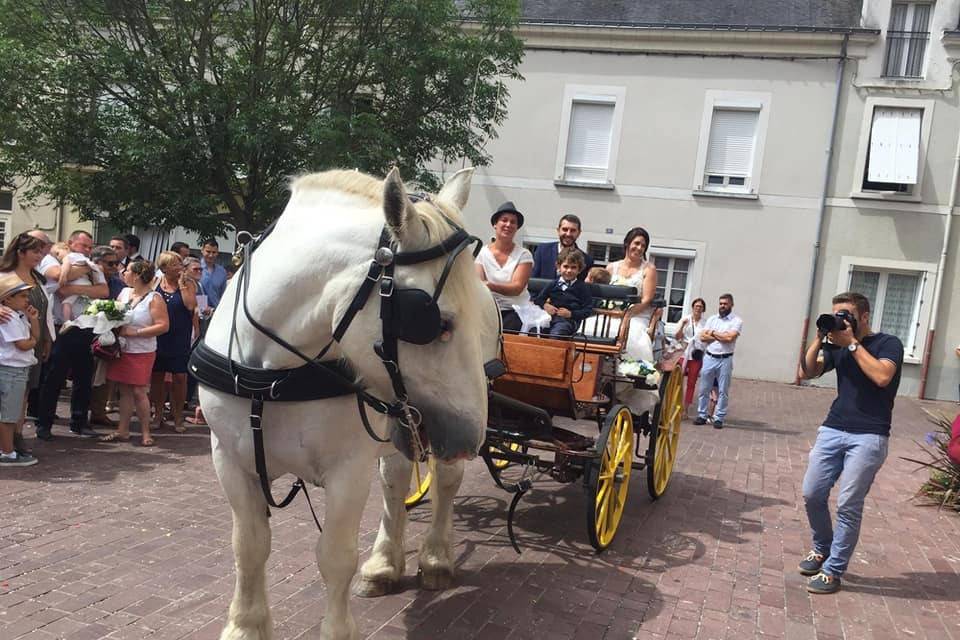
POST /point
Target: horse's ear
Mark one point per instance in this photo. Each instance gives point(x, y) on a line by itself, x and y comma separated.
point(457, 189)
point(395, 201)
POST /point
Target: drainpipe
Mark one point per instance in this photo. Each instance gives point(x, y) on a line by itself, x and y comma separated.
point(841, 67)
point(941, 267)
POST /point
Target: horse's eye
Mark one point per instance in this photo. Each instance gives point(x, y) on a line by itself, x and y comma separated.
point(446, 327)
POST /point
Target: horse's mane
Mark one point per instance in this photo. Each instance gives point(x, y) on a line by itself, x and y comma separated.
point(435, 217)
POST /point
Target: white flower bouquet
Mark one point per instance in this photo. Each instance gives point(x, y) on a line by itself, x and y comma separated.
point(640, 370)
point(103, 316)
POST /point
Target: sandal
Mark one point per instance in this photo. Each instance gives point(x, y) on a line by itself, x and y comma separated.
point(180, 429)
point(115, 436)
point(148, 442)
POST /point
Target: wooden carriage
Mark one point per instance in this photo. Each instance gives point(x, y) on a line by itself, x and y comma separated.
point(578, 378)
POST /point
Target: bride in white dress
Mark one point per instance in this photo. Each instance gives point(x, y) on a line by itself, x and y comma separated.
point(636, 271)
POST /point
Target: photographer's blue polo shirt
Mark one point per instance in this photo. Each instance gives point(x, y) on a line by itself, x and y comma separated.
point(861, 406)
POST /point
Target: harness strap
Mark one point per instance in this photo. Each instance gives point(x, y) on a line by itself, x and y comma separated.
point(362, 408)
point(256, 418)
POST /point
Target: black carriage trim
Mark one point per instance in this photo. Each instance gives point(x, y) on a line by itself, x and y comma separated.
point(320, 379)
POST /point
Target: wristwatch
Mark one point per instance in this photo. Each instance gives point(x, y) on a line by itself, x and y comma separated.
point(853, 346)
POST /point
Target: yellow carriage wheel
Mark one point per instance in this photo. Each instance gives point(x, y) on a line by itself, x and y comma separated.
point(510, 446)
point(665, 440)
point(609, 477)
point(420, 479)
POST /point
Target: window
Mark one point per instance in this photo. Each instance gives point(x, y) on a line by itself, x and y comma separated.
point(893, 155)
point(604, 253)
point(732, 133)
point(6, 207)
point(672, 285)
point(589, 135)
point(894, 301)
point(730, 150)
point(896, 290)
point(907, 38)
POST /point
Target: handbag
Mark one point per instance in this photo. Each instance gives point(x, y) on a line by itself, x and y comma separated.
point(105, 351)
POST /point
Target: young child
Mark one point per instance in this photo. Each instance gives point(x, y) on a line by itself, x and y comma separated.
point(72, 260)
point(567, 300)
point(18, 336)
point(598, 275)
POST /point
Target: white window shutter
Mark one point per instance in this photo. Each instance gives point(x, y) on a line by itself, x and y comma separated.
point(588, 142)
point(732, 137)
point(895, 145)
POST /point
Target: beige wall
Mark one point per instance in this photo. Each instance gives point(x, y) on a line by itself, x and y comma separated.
point(760, 249)
point(45, 216)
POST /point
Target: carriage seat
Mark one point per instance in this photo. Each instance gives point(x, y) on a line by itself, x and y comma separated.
point(599, 292)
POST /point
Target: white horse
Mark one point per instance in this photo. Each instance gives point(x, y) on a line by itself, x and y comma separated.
point(302, 279)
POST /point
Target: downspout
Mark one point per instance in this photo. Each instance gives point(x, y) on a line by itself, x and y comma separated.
point(941, 267)
point(841, 68)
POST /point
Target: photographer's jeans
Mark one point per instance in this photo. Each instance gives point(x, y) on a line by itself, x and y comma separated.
point(854, 458)
point(720, 369)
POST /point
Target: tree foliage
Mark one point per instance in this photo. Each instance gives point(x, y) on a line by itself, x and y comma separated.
point(196, 112)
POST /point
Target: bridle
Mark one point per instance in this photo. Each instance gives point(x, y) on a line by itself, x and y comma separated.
point(407, 314)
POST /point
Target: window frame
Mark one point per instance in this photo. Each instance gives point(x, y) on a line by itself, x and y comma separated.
point(926, 106)
point(908, 36)
point(596, 94)
point(6, 219)
point(733, 100)
point(913, 352)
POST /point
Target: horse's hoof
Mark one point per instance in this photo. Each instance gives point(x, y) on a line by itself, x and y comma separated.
point(373, 587)
point(435, 579)
point(234, 632)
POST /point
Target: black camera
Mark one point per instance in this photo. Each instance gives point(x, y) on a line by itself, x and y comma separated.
point(838, 321)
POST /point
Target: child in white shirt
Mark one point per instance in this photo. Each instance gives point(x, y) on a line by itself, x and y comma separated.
point(18, 337)
point(72, 260)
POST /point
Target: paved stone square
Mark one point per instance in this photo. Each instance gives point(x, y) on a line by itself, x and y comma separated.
point(118, 541)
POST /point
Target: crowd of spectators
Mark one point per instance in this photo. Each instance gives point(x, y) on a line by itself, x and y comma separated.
point(45, 286)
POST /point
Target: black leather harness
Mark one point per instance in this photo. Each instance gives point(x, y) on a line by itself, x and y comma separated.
point(320, 379)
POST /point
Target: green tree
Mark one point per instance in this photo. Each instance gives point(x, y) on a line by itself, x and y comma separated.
point(196, 112)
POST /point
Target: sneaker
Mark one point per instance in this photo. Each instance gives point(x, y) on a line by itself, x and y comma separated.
point(810, 566)
point(700, 420)
point(822, 583)
point(17, 460)
point(718, 424)
point(20, 445)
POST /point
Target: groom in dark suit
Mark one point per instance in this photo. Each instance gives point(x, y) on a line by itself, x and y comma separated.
point(545, 258)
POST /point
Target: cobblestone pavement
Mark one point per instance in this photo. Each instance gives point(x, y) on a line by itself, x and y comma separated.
point(118, 541)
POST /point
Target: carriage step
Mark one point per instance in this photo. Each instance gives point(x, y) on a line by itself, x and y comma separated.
point(638, 466)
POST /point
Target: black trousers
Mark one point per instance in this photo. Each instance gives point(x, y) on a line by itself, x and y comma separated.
point(71, 353)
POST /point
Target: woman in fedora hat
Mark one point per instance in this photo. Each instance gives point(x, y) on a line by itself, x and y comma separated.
point(505, 266)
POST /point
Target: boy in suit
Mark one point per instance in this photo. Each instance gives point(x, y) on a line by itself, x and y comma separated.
point(568, 299)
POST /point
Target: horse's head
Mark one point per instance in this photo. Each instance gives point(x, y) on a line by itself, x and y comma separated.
point(441, 356)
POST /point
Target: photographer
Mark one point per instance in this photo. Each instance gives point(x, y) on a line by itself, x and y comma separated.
point(852, 443)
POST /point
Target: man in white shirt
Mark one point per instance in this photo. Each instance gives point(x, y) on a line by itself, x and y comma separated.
point(71, 353)
point(720, 337)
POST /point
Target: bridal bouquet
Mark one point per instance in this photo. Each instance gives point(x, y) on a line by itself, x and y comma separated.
point(103, 316)
point(639, 369)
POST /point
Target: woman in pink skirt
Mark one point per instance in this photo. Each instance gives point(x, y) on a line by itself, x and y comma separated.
point(132, 370)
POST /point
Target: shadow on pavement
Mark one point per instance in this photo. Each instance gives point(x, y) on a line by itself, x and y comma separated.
point(929, 585)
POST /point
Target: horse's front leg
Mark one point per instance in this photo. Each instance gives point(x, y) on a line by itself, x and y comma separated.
point(436, 553)
point(346, 491)
point(249, 617)
point(382, 571)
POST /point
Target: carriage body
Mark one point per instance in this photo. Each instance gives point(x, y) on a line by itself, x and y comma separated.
point(578, 378)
